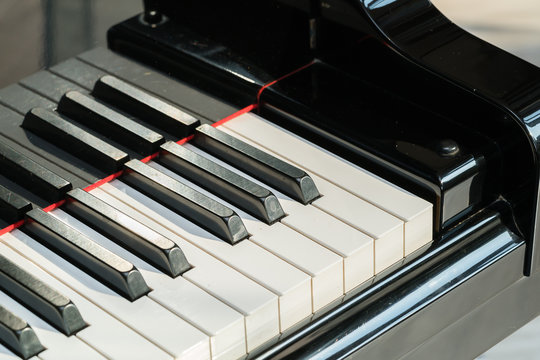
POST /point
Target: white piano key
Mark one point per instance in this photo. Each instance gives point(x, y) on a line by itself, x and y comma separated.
point(262, 319)
point(58, 346)
point(414, 211)
point(324, 266)
point(150, 319)
point(356, 248)
point(260, 308)
point(104, 333)
point(6, 354)
point(386, 229)
point(223, 325)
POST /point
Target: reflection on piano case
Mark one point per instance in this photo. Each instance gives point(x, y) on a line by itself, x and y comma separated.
point(267, 180)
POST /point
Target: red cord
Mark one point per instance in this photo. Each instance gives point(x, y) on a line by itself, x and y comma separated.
point(11, 227)
point(281, 78)
point(235, 115)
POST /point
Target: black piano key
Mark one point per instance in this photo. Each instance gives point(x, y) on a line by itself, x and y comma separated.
point(145, 106)
point(40, 298)
point(110, 123)
point(198, 103)
point(74, 140)
point(76, 171)
point(244, 193)
point(32, 175)
point(119, 274)
point(284, 177)
point(12, 205)
point(159, 251)
point(17, 335)
point(200, 209)
point(23, 192)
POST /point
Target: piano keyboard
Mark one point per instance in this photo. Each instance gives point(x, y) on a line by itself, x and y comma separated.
point(211, 248)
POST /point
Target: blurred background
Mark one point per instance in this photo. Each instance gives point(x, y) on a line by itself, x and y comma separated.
point(511, 25)
point(40, 33)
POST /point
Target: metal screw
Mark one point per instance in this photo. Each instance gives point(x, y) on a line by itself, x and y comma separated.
point(448, 148)
point(152, 17)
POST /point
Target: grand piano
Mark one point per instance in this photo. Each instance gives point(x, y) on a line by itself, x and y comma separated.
point(267, 180)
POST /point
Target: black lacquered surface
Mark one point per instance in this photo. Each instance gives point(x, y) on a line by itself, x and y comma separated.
point(17, 335)
point(492, 75)
point(117, 273)
point(40, 298)
point(247, 195)
point(202, 210)
point(280, 43)
point(283, 176)
point(350, 116)
point(134, 236)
